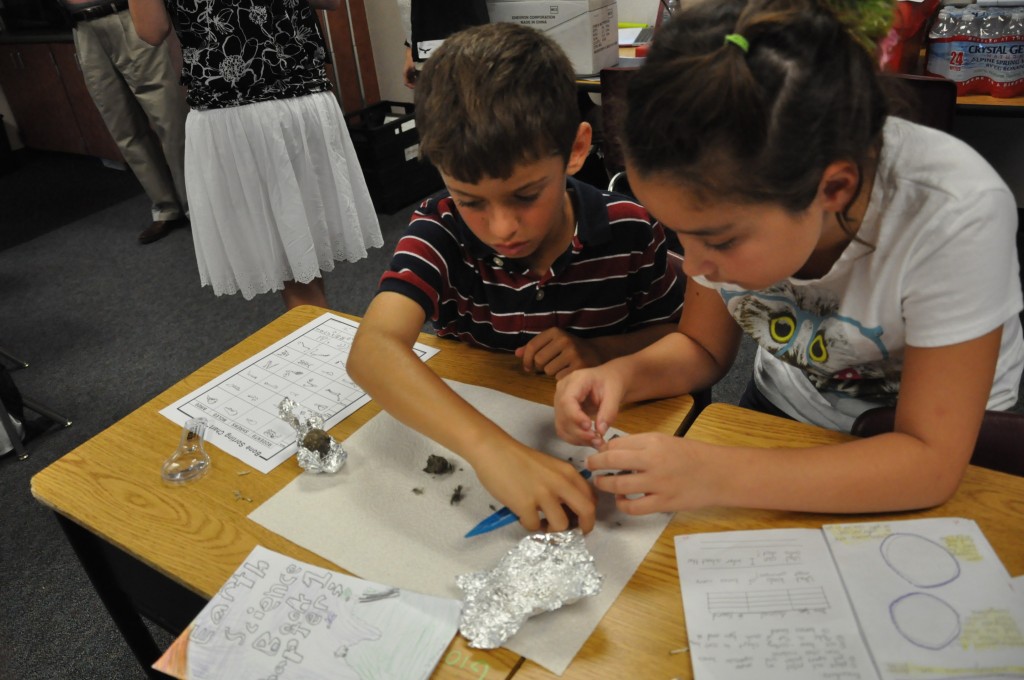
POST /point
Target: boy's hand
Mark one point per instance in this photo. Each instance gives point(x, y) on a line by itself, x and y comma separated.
point(530, 482)
point(586, 404)
point(557, 353)
point(667, 473)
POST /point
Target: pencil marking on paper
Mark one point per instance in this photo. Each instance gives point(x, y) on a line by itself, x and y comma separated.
point(767, 601)
point(292, 619)
point(925, 620)
point(921, 562)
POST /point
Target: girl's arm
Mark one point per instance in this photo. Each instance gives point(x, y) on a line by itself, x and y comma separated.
point(942, 399)
point(151, 20)
point(697, 356)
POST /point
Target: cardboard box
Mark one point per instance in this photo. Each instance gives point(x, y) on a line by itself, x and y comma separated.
point(588, 30)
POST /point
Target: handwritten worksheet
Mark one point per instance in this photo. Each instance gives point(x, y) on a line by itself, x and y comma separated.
point(308, 365)
point(913, 599)
point(282, 618)
point(768, 604)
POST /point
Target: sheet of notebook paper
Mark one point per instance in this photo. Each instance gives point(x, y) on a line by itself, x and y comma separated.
point(767, 605)
point(898, 600)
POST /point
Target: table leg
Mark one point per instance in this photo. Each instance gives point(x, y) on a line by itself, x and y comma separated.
point(89, 550)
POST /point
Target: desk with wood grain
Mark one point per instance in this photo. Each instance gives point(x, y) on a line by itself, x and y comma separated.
point(637, 636)
point(163, 550)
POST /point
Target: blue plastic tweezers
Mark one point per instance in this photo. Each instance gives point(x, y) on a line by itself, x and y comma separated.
point(503, 517)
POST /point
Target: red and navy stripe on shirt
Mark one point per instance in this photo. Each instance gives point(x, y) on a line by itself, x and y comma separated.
point(613, 278)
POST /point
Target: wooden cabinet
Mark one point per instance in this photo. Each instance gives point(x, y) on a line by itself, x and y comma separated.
point(35, 92)
point(53, 109)
point(51, 105)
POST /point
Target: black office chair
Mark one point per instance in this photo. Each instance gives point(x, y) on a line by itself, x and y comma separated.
point(20, 404)
point(927, 100)
point(999, 446)
point(614, 86)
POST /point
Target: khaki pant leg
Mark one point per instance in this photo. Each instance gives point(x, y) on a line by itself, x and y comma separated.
point(96, 46)
point(153, 80)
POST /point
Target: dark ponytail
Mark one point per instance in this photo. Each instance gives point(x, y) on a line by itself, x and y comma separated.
point(756, 125)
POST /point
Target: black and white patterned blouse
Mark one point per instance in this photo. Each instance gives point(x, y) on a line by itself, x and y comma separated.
point(244, 51)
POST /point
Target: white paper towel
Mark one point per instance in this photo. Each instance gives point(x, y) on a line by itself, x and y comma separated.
point(368, 519)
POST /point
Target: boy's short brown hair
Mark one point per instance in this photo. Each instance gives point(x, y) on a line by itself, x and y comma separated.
point(492, 97)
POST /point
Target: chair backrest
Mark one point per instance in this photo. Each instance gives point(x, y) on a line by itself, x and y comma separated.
point(1000, 444)
point(930, 100)
point(614, 85)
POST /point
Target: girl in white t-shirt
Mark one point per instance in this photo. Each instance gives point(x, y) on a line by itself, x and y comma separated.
point(872, 259)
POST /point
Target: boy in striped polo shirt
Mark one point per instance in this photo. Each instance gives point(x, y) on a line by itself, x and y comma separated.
point(516, 256)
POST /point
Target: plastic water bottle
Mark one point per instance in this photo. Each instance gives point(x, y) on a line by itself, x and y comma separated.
point(969, 25)
point(670, 8)
point(1015, 25)
point(944, 25)
point(993, 23)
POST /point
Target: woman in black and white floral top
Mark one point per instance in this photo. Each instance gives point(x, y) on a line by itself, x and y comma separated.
point(276, 191)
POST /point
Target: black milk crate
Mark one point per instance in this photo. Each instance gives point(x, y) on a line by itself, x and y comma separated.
point(387, 144)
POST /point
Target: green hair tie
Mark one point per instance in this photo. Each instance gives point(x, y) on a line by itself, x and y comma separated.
point(737, 40)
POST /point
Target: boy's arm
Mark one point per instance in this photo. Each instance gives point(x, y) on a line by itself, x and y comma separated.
point(529, 482)
point(151, 20)
point(942, 399)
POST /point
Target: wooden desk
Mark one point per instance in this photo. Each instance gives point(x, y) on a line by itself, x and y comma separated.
point(646, 623)
point(178, 545)
point(987, 105)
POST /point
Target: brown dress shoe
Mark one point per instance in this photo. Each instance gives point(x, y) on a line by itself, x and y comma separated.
point(159, 229)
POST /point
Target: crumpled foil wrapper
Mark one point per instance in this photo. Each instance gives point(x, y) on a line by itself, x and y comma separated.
point(318, 451)
point(544, 572)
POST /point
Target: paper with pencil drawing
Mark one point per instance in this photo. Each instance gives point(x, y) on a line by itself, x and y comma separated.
point(279, 617)
point(307, 365)
point(893, 600)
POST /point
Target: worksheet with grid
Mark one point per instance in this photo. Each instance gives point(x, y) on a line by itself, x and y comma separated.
point(308, 366)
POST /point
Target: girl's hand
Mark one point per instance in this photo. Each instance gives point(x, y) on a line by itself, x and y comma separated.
point(530, 483)
point(668, 471)
point(586, 404)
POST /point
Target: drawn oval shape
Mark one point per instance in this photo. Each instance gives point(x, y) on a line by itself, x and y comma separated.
point(920, 561)
point(925, 620)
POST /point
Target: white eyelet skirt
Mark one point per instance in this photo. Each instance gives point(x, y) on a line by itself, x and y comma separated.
point(275, 194)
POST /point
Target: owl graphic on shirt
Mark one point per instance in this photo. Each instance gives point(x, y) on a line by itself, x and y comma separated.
point(801, 326)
